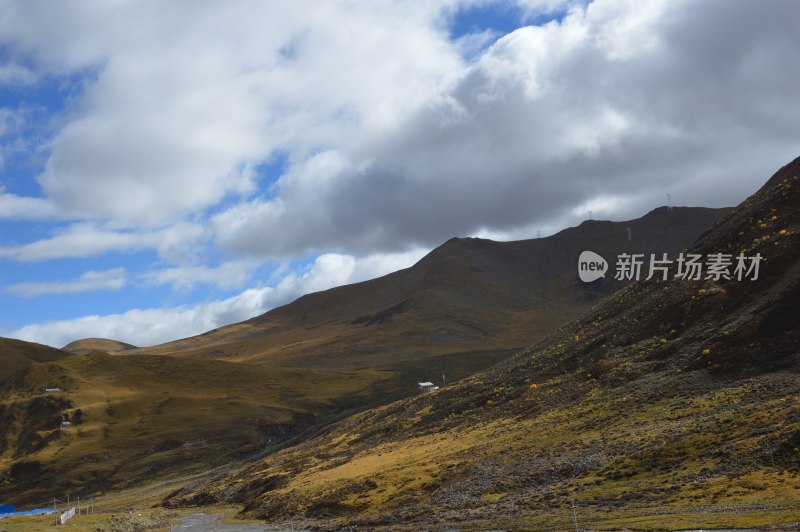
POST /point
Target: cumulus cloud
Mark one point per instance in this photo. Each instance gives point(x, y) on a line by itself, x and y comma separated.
point(619, 99)
point(91, 281)
point(158, 325)
point(187, 100)
point(393, 139)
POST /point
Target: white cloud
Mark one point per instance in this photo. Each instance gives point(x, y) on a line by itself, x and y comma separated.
point(147, 326)
point(176, 242)
point(12, 122)
point(392, 139)
point(538, 7)
point(335, 269)
point(610, 102)
point(14, 74)
point(91, 281)
point(228, 275)
point(158, 325)
point(187, 99)
point(13, 207)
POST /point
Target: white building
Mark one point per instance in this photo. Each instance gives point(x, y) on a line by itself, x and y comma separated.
point(426, 386)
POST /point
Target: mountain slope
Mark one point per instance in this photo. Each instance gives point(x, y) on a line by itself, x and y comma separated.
point(135, 417)
point(671, 405)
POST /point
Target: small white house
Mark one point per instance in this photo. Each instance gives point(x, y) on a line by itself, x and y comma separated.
point(426, 386)
point(48, 391)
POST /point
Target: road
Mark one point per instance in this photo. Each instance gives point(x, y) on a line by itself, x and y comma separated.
point(200, 522)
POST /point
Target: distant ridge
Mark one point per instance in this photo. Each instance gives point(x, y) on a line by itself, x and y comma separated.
point(87, 345)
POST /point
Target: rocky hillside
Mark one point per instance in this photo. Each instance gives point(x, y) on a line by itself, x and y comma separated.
point(673, 404)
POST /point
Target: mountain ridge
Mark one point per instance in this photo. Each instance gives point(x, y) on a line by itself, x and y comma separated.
point(670, 405)
point(455, 275)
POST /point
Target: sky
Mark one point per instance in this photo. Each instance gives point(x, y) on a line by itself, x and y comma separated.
point(171, 166)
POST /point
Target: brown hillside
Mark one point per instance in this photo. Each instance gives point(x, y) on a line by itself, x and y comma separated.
point(671, 405)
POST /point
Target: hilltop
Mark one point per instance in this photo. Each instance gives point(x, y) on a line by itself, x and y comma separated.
point(87, 345)
point(251, 388)
point(670, 405)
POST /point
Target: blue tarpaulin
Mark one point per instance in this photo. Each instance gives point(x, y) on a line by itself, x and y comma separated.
point(36, 511)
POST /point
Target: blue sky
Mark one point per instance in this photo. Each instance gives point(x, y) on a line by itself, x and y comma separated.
point(167, 168)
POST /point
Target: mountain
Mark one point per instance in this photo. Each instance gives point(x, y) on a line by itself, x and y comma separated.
point(87, 345)
point(466, 305)
point(671, 405)
point(254, 387)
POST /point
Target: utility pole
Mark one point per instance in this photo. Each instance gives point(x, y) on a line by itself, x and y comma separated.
point(574, 515)
point(55, 510)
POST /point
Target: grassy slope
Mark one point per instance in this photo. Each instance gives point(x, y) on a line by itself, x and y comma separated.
point(701, 429)
point(150, 415)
